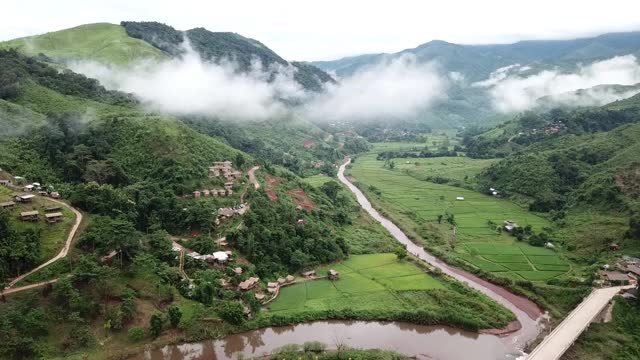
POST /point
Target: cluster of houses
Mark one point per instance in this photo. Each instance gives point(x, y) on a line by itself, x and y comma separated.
point(229, 212)
point(218, 257)
point(52, 214)
point(626, 271)
point(37, 187)
point(227, 191)
point(225, 169)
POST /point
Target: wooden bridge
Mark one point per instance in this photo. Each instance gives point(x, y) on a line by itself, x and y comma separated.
point(563, 336)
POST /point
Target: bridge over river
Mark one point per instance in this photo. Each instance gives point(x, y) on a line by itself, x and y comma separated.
point(561, 338)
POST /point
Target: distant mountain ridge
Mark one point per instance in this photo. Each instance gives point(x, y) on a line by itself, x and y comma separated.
point(476, 62)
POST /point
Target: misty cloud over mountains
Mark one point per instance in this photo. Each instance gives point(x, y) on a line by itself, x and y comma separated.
point(511, 91)
point(391, 89)
point(394, 88)
point(190, 86)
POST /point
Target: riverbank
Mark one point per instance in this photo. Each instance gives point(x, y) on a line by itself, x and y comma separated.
point(523, 308)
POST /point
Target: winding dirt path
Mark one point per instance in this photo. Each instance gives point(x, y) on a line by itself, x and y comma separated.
point(252, 177)
point(62, 254)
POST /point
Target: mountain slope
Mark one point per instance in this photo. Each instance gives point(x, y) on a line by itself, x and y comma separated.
point(580, 166)
point(106, 43)
point(53, 116)
point(217, 46)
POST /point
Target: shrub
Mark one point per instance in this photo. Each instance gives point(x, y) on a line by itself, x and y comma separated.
point(314, 346)
point(136, 334)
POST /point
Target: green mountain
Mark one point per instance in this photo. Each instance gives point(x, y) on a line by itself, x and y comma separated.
point(217, 46)
point(151, 41)
point(467, 105)
point(476, 62)
point(106, 43)
point(580, 166)
point(50, 117)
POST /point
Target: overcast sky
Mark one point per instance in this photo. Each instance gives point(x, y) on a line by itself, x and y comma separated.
point(329, 29)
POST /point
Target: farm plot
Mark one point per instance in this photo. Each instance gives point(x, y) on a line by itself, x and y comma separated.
point(381, 287)
point(544, 264)
point(363, 279)
point(428, 200)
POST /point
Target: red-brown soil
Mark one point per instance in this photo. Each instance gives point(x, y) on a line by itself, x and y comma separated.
point(301, 200)
point(272, 182)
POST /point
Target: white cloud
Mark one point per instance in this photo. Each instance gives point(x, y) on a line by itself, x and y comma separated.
point(338, 27)
point(191, 86)
point(388, 90)
point(511, 92)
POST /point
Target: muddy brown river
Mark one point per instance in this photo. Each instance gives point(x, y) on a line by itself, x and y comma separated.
point(423, 342)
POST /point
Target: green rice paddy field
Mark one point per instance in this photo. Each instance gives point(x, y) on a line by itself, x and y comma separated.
point(379, 287)
point(455, 168)
point(476, 242)
point(366, 281)
point(318, 180)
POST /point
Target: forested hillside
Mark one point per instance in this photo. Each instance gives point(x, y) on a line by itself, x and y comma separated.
point(573, 165)
point(218, 46)
point(133, 173)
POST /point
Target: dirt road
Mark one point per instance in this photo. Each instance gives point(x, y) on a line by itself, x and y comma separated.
point(63, 252)
point(252, 177)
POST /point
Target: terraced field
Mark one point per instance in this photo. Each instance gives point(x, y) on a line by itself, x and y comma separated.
point(413, 203)
point(527, 262)
point(461, 168)
point(428, 200)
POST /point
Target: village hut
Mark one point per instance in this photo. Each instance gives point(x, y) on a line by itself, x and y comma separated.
point(308, 274)
point(25, 198)
point(290, 278)
point(333, 275)
point(53, 218)
point(260, 297)
point(248, 284)
point(282, 281)
point(633, 270)
point(616, 278)
point(510, 225)
point(614, 247)
point(220, 256)
point(29, 215)
point(237, 271)
point(7, 205)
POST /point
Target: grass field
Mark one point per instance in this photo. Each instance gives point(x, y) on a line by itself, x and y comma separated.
point(378, 286)
point(318, 180)
point(413, 203)
point(107, 43)
point(52, 236)
point(462, 169)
